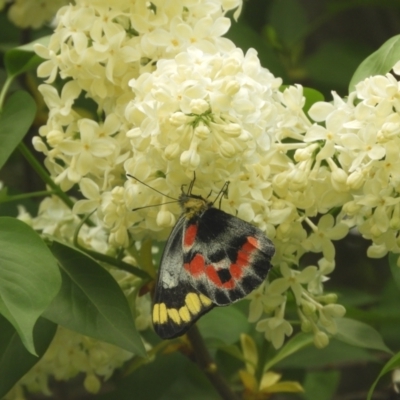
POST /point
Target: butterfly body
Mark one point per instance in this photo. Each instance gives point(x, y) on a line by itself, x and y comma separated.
point(211, 258)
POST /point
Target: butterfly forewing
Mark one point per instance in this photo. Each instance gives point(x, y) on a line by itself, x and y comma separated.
point(177, 305)
point(229, 257)
point(210, 259)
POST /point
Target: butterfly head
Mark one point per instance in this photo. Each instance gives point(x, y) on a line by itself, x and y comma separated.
point(193, 205)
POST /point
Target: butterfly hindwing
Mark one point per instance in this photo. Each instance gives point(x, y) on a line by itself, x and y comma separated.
point(225, 258)
point(211, 258)
point(177, 305)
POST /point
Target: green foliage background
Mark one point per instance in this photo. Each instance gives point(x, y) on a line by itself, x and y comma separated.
point(318, 44)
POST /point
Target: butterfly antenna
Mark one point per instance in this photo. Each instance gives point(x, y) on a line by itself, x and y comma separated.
point(222, 192)
point(145, 184)
point(153, 205)
point(192, 183)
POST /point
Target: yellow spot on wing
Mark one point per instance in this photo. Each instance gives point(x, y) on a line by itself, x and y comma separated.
point(163, 316)
point(174, 315)
point(156, 314)
point(193, 303)
point(205, 300)
point(184, 314)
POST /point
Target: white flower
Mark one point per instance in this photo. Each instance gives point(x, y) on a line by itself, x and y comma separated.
point(323, 234)
point(88, 152)
point(293, 280)
point(275, 328)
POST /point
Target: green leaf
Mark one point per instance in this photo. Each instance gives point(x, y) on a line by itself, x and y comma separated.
point(223, 323)
point(15, 120)
point(394, 268)
point(335, 353)
point(392, 364)
point(296, 343)
point(91, 302)
point(378, 63)
point(359, 334)
point(168, 377)
point(29, 277)
point(321, 385)
point(22, 59)
point(290, 26)
point(15, 360)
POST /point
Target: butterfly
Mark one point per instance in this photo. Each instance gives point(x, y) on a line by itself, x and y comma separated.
point(211, 258)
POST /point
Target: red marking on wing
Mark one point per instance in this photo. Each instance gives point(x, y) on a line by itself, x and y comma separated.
point(190, 236)
point(197, 266)
point(212, 274)
point(243, 258)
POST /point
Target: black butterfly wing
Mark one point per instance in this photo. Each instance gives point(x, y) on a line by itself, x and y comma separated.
point(177, 305)
point(225, 258)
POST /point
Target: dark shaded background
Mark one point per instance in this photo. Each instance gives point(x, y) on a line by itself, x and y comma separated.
point(319, 44)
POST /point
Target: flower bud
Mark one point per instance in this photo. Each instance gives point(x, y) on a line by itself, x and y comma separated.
point(199, 106)
point(233, 130)
point(321, 340)
point(92, 383)
point(308, 308)
point(54, 137)
point(171, 151)
point(232, 88)
point(178, 118)
point(134, 133)
point(39, 145)
point(306, 326)
point(227, 150)
point(355, 180)
point(190, 158)
point(165, 218)
point(202, 132)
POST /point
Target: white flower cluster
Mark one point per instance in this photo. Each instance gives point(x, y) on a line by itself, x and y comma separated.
point(175, 98)
point(347, 160)
point(32, 13)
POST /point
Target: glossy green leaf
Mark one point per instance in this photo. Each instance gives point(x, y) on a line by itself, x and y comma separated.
point(15, 360)
point(392, 364)
point(22, 59)
point(359, 334)
point(91, 302)
point(223, 323)
point(15, 120)
point(29, 277)
point(394, 268)
point(335, 353)
point(296, 343)
point(378, 63)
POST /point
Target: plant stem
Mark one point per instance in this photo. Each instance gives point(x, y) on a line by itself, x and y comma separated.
point(44, 175)
point(4, 90)
point(18, 197)
point(208, 365)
